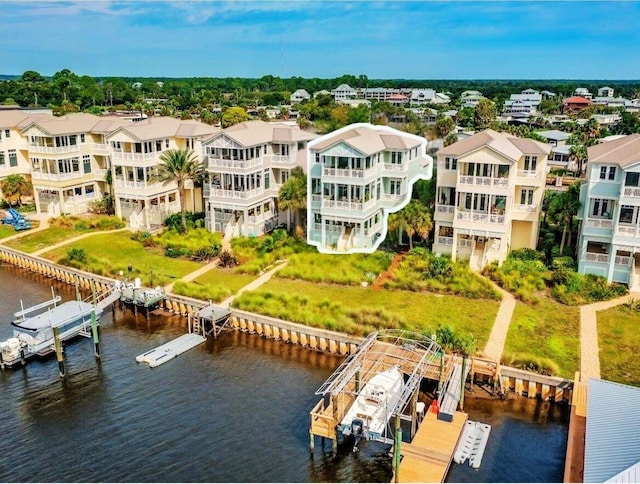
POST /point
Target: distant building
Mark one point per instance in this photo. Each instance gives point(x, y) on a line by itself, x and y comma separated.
point(343, 92)
point(605, 91)
point(299, 95)
point(575, 103)
point(583, 92)
point(357, 175)
point(470, 99)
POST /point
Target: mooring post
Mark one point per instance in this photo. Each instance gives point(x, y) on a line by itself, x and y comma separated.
point(441, 373)
point(76, 283)
point(94, 332)
point(23, 360)
point(59, 353)
point(396, 449)
point(414, 413)
point(358, 381)
point(1, 360)
point(472, 373)
point(461, 401)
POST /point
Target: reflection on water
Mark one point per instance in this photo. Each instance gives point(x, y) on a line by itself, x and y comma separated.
point(235, 409)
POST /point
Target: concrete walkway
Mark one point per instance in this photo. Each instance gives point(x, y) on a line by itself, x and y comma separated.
point(44, 224)
point(192, 275)
point(495, 344)
point(254, 284)
point(589, 349)
point(74, 239)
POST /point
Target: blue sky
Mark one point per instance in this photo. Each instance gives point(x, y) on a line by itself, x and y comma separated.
point(387, 39)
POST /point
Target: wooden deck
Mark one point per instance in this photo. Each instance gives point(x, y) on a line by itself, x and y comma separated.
point(428, 457)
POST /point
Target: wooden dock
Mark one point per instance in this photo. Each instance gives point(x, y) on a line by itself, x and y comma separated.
point(170, 350)
point(428, 457)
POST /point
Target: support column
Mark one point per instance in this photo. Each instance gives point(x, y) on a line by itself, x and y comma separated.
point(454, 246)
point(612, 262)
point(146, 214)
point(397, 441)
point(59, 353)
point(462, 381)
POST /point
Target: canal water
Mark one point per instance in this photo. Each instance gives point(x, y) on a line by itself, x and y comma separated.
point(233, 410)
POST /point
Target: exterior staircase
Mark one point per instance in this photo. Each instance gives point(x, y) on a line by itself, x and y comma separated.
point(345, 242)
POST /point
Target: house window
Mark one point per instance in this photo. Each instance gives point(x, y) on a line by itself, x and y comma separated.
point(166, 143)
point(317, 157)
point(607, 173)
point(284, 150)
point(81, 137)
point(526, 196)
point(600, 208)
point(267, 179)
point(284, 176)
point(86, 162)
point(632, 179)
point(7, 133)
point(1, 158)
point(396, 157)
point(13, 159)
point(395, 187)
point(530, 163)
point(627, 215)
point(612, 173)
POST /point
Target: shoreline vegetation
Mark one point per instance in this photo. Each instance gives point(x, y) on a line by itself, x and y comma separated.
point(357, 293)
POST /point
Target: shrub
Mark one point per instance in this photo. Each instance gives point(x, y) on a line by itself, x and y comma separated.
point(534, 364)
point(194, 220)
point(227, 259)
point(76, 254)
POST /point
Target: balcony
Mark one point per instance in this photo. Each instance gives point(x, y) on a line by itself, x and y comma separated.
point(101, 147)
point(38, 175)
point(54, 149)
point(632, 192)
point(599, 223)
point(123, 155)
point(213, 163)
point(521, 207)
point(484, 181)
point(347, 173)
point(530, 174)
point(395, 167)
point(441, 240)
point(347, 205)
point(235, 194)
point(142, 188)
point(255, 219)
point(387, 197)
point(597, 257)
point(480, 217)
point(622, 260)
point(628, 230)
point(445, 208)
point(278, 159)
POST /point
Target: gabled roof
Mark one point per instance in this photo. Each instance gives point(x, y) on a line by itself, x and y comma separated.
point(623, 152)
point(554, 134)
point(67, 124)
point(343, 87)
point(166, 127)
point(507, 145)
point(16, 118)
point(368, 140)
point(252, 133)
point(612, 437)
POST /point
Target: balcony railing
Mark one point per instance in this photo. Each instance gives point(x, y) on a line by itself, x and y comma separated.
point(395, 167)
point(123, 155)
point(235, 194)
point(445, 208)
point(387, 197)
point(621, 260)
point(464, 243)
point(53, 149)
point(520, 207)
point(316, 198)
point(600, 223)
point(597, 257)
point(627, 230)
point(529, 173)
point(347, 205)
point(444, 240)
point(229, 163)
point(38, 175)
point(278, 159)
point(142, 185)
point(483, 181)
point(632, 191)
point(100, 147)
point(254, 219)
point(480, 217)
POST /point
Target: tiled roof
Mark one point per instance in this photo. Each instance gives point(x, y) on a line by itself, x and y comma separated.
point(623, 151)
point(576, 100)
point(507, 145)
point(369, 140)
point(15, 118)
point(252, 133)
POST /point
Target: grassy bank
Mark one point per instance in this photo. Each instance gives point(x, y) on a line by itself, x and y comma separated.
point(108, 254)
point(545, 332)
point(360, 310)
point(619, 342)
point(216, 285)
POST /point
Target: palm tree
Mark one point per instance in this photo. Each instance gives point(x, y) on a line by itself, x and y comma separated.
point(293, 193)
point(14, 187)
point(180, 165)
point(563, 208)
point(413, 219)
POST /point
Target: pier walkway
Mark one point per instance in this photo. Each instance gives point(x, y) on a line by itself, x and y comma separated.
point(495, 344)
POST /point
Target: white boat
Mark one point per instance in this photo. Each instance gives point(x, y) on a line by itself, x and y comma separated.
point(370, 413)
point(33, 333)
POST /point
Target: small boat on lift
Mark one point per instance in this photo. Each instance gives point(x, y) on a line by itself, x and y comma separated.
point(373, 407)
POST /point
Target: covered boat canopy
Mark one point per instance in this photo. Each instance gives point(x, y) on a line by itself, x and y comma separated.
point(57, 316)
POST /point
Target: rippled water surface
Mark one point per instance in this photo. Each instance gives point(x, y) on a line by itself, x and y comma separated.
point(232, 410)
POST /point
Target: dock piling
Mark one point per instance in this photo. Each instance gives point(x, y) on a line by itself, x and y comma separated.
point(59, 353)
point(94, 332)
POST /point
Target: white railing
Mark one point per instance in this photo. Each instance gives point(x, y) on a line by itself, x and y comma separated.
point(480, 217)
point(343, 173)
point(347, 205)
point(600, 223)
point(391, 197)
point(81, 198)
point(38, 175)
point(595, 257)
point(254, 219)
point(220, 193)
point(132, 184)
point(123, 155)
point(464, 243)
point(100, 147)
point(632, 191)
point(100, 171)
point(523, 207)
point(445, 240)
point(529, 173)
point(277, 158)
point(316, 198)
point(53, 149)
point(316, 227)
point(395, 167)
point(622, 260)
point(445, 208)
point(206, 190)
point(483, 181)
point(627, 230)
point(228, 163)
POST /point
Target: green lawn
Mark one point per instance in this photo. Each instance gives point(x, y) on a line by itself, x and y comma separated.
point(545, 330)
point(216, 285)
point(39, 240)
point(107, 254)
point(619, 341)
point(6, 231)
point(358, 310)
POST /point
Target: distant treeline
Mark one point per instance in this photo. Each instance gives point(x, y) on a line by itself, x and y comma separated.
point(31, 88)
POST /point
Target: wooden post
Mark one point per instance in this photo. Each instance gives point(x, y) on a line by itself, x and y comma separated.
point(414, 414)
point(396, 449)
point(311, 436)
point(441, 373)
point(462, 378)
point(358, 381)
point(59, 354)
point(473, 372)
point(1, 360)
point(76, 282)
point(189, 322)
point(94, 332)
point(334, 442)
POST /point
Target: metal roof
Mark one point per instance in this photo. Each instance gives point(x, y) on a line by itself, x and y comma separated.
point(612, 440)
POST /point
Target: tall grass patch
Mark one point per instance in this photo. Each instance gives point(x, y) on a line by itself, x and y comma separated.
point(216, 285)
point(544, 335)
point(619, 342)
point(348, 269)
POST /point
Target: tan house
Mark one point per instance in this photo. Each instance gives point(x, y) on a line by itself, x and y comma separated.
point(490, 188)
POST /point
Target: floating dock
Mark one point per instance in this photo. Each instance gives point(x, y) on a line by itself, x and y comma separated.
point(472, 443)
point(170, 350)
